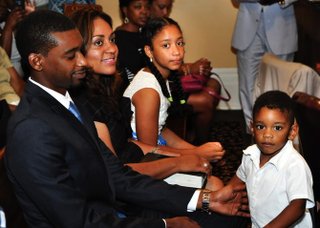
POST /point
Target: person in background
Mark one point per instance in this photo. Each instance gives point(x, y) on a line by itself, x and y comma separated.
point(111, 111)
point(261, 26)
point(58, 5)
point(10, 15)
point(11, 85)
point(204, 104)
point(134, 15)
point(278, 179)
point(63, 175)
point(160, 8)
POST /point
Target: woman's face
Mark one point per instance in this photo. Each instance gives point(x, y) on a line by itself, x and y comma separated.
point(102, 51)
point(168, 49)
point(138, 12)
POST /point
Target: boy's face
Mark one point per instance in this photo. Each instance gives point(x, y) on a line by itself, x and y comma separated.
point(271, 130)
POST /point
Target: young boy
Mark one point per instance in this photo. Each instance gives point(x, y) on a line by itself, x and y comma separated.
point(278, 180)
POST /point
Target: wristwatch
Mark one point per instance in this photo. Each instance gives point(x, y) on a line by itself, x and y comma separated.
point(206, 201)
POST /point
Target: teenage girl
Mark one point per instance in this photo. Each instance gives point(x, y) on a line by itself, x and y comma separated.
point(149, 90)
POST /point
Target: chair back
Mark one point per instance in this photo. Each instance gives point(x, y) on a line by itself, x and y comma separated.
point(307, 111)
point(289, 77)
point(70, 8)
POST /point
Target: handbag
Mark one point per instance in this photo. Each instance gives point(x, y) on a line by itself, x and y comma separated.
point(195, 82)
point(70, 8)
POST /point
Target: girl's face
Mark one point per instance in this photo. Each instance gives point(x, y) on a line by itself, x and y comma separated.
point(102, 51)
point(271, 130)
point(138, 12)
point(167, 51)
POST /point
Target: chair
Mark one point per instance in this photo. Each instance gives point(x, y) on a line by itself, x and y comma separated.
point(289, 77)
point(70, 8)
point(307, 111)
point(180, 122)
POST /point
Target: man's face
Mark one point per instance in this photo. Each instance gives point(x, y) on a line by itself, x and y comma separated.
point(64, 66)
point(161, 8)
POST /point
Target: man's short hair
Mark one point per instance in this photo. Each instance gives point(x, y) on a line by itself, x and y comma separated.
point(275, 99)
point(34, 34)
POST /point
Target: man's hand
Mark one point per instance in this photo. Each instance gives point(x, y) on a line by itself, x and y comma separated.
point(230, 200)
point(181, 222)
point(268, 2)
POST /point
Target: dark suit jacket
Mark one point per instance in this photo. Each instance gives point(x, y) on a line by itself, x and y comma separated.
point(64, 176)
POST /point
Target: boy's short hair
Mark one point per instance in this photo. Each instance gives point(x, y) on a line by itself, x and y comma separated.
point(34, 33)
point(275, 99)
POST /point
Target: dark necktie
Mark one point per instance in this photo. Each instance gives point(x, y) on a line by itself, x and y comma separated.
point(73, 109)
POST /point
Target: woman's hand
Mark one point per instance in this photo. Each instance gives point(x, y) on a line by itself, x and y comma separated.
point(14, 17)
point(193, 163)
point(29, 7)
point(212, 151)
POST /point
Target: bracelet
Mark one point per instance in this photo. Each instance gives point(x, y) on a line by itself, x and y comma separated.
point(282, 2)
point(206, 201)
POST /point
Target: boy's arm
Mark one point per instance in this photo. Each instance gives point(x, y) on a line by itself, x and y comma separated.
point(289, 215)
point(235, 180)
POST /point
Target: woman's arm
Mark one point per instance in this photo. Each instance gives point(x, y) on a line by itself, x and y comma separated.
point(163, 167)
point(147, 106)
point(104, 135)
point(289, 215)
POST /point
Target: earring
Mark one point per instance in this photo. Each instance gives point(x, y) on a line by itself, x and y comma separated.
point(151, 60)
point(126, 20)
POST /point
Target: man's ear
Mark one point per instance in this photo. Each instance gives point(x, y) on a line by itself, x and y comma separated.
point(147, 50)
point(36, 61)
point(294, 130)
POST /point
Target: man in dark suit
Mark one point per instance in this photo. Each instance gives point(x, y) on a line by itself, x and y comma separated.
point(63, 175)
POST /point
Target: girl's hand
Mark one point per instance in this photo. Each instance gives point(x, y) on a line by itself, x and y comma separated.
point(212, 151)
point(201, 66)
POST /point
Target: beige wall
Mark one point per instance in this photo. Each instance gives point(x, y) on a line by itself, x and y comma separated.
point(207, 27)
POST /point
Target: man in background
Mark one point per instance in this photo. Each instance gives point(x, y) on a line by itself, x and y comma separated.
point(262, 26)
